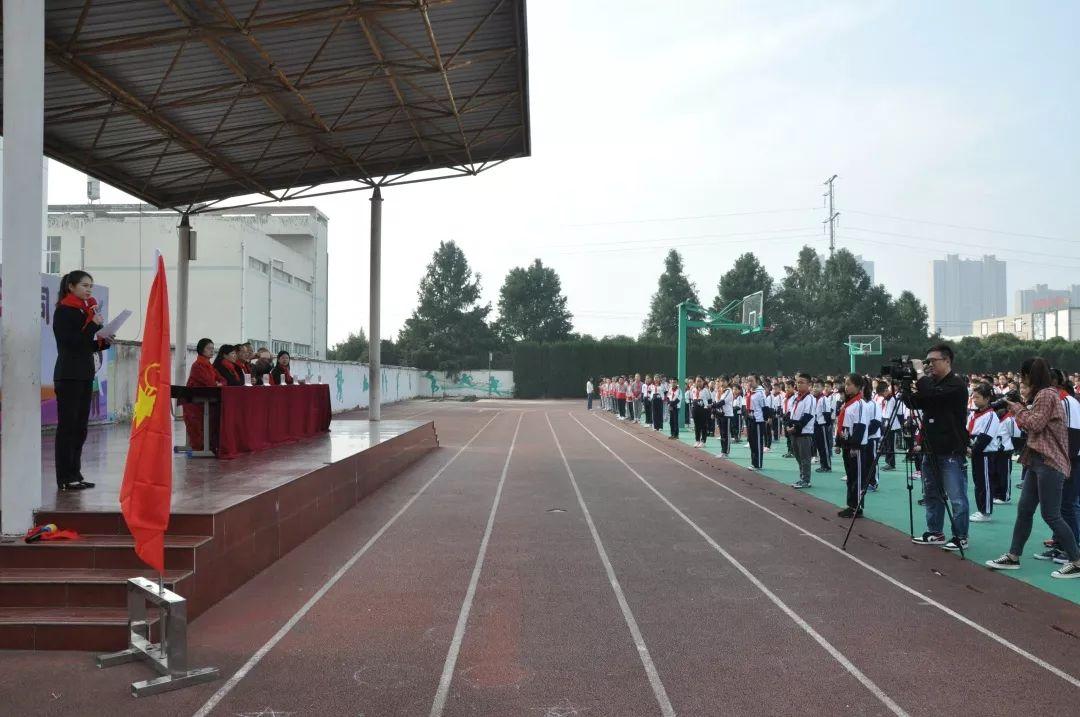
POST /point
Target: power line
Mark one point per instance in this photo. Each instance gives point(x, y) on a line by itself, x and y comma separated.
point(961, 226)
point(892, 245)
point(683, 245)
point(700, 216)
point(628, 242)
point(959, 243)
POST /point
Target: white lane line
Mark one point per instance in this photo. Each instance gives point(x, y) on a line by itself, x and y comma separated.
point(639, 641)
point(1074, 681)
point(836, 654)
point(443, 692)
point(284, 630)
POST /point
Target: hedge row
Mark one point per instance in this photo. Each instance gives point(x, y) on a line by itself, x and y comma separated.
point(559, 370)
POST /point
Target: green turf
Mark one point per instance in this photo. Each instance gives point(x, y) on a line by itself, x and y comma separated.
point(889, 505)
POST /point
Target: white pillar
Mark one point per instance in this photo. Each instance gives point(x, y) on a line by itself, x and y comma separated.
point(24, 111)
point(183, 261)
point(374, 345)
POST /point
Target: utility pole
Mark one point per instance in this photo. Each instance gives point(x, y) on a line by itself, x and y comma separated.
point(833, 215)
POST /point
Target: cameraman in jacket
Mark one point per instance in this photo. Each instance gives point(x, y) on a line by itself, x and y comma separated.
point(942, 397)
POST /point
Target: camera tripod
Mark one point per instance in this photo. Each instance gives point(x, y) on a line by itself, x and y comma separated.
point(909, 477)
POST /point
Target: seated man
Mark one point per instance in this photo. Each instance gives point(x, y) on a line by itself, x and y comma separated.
point(261, 366)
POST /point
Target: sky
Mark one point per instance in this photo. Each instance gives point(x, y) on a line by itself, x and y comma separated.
point(711, 126)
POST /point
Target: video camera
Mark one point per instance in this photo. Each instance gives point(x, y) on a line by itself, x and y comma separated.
point(904, 369)
point(1002, 402)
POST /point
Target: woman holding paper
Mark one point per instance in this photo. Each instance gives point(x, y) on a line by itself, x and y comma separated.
point(76, 323)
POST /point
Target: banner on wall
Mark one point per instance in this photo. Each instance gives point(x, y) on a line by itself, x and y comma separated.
point(99, 406)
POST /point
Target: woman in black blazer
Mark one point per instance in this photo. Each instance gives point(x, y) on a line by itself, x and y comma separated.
point(225, 363)
point(75, 322)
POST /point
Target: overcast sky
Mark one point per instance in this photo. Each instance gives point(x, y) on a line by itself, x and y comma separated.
point(710, 127)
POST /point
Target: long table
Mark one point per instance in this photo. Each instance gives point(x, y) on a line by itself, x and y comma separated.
point(254, 418)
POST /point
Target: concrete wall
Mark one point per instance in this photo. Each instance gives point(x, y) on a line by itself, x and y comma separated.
point(349, 382)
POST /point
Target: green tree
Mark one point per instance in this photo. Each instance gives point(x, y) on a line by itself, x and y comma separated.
point(800, 308)
point(910, 319)
point(354, 348)
point(448, 330)
point(674, 288)
point(744, 278)
point(532, 306)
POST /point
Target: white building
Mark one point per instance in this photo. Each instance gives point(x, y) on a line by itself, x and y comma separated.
point(963, 291)
point(867, 265)
point(259, 274)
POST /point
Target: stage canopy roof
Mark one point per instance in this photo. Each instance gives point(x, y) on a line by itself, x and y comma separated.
point(189, 102)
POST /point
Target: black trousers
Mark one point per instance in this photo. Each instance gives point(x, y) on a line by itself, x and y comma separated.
point(72, 414)
point(982, 475)
point(657, 413)
point(755, 434)
point(736, 427)
point(686, 413)
point(766, 429)
point(673, 419)
point(646, 405)
point(853, 466)
point(622, 407)
point(888, 448)
point(821, 445)
point(701, 424)
point(725, 434)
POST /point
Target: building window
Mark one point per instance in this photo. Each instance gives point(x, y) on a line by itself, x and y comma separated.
point(259, 266)
point(281, 274)
point(305, 285)
point(278, 346)
point(985, 328)
point(256, 344)
point(52, 255)
point(1018, 326)
point(302, 350)
point(1000, 326)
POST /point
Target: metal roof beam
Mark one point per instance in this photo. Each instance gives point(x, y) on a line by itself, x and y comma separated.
point(138, 109)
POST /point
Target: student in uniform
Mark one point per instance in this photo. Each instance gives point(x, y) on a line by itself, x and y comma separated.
point(659, 386)
point(767, 414)
point(851, 442)
point(647, 398)
point(890, 423)
point(686, 403)
point(822, 409)
point(699, 398)
point(737, 408)
point(709, 412)
point(620, 397)
point(829, 412)
point(1002, 483)
point(674, 397)
point(726, 416)
point(778, 409)
point(755, 422)
point(983, 427)
point(800, 427)
point(873, 441)
point(75, 323)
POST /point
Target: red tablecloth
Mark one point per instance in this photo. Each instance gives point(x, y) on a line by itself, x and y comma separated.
point(254, 418)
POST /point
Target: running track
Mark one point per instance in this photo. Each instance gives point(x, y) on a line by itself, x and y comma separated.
point(552, 562)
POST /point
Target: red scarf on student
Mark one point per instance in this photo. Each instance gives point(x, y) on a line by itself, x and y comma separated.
point(748, 396)
point(286, 377)
point(840, 416)
point(974, 417)
point(84, 306)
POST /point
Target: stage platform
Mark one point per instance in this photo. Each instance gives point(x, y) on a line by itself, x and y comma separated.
point(230, 520)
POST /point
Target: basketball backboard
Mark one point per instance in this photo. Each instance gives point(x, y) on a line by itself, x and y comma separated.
point(753, 316)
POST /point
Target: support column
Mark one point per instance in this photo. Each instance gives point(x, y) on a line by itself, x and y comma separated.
point(375, 337)
point(680, 357)
point(24, 104)
point(183, 262)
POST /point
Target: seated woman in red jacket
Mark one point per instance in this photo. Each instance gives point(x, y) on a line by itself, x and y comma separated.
point(225, 363)
point(279, 375)
point(203, 374)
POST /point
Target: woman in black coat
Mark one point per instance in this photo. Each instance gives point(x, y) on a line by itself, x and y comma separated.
point(75, 322)
point(225, 363)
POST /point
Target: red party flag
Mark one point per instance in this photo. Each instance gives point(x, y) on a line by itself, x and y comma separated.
point(146, 494)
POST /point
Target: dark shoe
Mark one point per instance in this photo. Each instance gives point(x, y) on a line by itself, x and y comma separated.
point(77, 485)
point(1003, 563)
point(849, 513)
point(823, 470)
point(956, 544)
point(930, 539)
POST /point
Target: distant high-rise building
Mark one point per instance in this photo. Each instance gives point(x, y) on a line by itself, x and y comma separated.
point(963, 290)
point(1042, 298)
point(867, 265)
